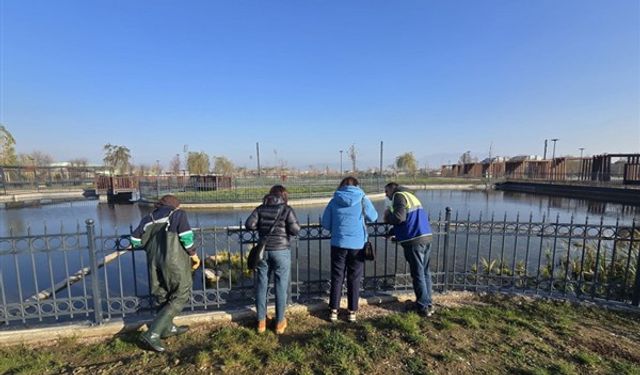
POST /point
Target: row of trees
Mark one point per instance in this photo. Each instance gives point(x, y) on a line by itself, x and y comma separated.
point(118, 159)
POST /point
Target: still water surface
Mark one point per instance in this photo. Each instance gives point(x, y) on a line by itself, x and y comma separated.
point(67, 216)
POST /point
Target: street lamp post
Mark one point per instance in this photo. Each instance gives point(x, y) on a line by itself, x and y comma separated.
point(341, 163)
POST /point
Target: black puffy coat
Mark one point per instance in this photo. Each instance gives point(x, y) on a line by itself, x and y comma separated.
point(263, 217)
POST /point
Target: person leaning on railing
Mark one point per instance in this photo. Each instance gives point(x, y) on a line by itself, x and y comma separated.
point(166, 236)
point(412, 229)
point(274, 212)
point(345, 217)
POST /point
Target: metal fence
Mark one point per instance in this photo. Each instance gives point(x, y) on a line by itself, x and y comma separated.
point(15, 179)
point(85, 273)
point(245, 189)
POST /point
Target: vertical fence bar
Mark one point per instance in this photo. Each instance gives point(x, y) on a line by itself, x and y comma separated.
point(502, 245)
point(35, 283)
point(612, 270)
point(51, 280)
point(309, 291)
point(515, 252)
point(553, 256)
point(525, 278)
point(439, 230)
point(584, 251)
point(540, 254)
point(635, 300)
point(66, 270)
point(466, 253)
point(18, 275)
point(478, 251)
point(455, 255)
point(93, 263)
point(597, 265)
point(490, 247)
point(445, 260)
point(107, 291)
point(297, 259)
point(623, 292)
point(568, 259)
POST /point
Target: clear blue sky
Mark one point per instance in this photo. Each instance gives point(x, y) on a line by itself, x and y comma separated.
point(308, 78)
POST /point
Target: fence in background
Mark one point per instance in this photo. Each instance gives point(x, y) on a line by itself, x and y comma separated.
point(85, 273)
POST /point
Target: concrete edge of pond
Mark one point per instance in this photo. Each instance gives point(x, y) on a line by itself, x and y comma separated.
point(87, 330)
point(319, 201)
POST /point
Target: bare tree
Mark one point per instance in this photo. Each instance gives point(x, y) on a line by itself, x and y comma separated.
point(174, 165)
point(223, 166)
point(352, 155)
point(79, 162)
point(35, 159)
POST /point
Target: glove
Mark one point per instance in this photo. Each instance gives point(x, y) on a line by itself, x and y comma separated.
point(195, 262)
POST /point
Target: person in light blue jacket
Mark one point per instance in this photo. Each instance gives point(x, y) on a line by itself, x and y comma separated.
point(345, 217)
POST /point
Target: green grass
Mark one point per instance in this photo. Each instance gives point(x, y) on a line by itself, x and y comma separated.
point(494, 334)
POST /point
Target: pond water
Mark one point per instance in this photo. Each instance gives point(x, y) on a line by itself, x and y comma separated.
point(112, 218)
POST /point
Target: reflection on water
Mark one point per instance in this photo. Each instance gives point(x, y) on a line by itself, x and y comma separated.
point(68, 216)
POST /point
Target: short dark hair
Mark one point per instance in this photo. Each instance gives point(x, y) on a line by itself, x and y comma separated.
point(349, 181)
point(280, 191)
point(168, 200)
point(392, 186)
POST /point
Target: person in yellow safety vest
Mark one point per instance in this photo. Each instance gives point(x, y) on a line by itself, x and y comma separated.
point(412, 230)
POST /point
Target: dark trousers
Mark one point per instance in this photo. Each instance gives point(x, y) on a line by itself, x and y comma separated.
point(350, 262)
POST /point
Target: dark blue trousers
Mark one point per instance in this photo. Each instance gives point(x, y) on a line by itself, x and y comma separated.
point(349, 263)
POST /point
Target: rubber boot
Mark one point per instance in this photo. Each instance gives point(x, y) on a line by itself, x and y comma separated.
point(152, 337)
point(174, 330)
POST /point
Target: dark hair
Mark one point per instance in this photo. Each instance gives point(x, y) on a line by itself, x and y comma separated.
point(168, 200)
point(280, 191)
point(349, 181)
point(392, 186)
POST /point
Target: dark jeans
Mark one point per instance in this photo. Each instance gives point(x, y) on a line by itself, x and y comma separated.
point(351, 262)
point(418, 258)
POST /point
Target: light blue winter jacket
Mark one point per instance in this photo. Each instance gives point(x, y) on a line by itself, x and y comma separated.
point(343, 217)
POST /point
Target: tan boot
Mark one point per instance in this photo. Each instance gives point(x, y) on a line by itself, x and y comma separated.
point(262, 325)
point(281, 326)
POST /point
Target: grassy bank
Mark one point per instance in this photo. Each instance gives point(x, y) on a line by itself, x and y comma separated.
point(491, 334)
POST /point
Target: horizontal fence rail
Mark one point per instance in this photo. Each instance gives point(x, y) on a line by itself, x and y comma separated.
point(85, 273)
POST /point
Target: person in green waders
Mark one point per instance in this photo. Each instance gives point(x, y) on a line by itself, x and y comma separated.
point(166, 236)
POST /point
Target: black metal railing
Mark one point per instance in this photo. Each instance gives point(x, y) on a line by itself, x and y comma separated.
point(87, 274)
point(18, 179)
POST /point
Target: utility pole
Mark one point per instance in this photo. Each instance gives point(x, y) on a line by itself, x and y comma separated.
point(341, 163)
point(381, 149)
point(185, 148)
point(554, 140)
point(258, 156)
point(545, 150)
point(553, 157)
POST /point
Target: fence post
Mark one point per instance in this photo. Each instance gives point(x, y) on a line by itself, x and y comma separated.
point(445, 260)
point(93, 264)
point(635, 300)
